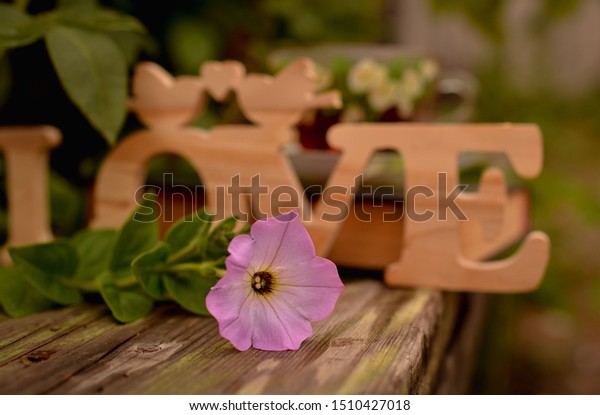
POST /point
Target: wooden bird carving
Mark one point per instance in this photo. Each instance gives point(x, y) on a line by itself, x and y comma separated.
point(281, 100)
point(162, 101)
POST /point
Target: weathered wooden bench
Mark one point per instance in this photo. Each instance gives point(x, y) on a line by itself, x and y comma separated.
point(378, 340)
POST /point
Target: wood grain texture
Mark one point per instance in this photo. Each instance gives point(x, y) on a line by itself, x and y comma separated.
point(460, 358)
point(26, 149)
point(378, 340)
point(431, 245)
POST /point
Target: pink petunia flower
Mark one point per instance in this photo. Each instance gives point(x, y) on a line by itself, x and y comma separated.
point(274, 287)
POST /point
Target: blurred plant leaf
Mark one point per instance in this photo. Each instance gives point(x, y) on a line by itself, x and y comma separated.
point(93, 72)
point(126, 303)
point(485, 16)
point(16, 28)
point(147, 269)
point(97, 19)
point(330, 21)
point(48, 267)
point(94, 248)
point(66, 205)
point(19, 298)
point(219, 239)
point(188, 262)
point(136, 237)
point(132, 44)
point(189, 287)
point(118, 285)
point(190, 42)
point(186, 236)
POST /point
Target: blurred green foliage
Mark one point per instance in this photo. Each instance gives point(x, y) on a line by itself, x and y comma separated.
point(189, 32)
point(566, 205)
point(540, 342)
point(486, 15)
point(91, 65)
point(310, 21)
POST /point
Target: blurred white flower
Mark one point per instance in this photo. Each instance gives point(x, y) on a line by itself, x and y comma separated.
point(410, 89)
point(353, 113)
point(429, 69)
point(366, 75)
point(405, 106)
point(384, 95)
point(324, 77)
point(412, 84)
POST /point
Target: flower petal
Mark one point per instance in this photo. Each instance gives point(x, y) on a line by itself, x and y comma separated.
point(239, 330)
point(311, 290)
point(304, 287)
point(240, 250)
point(226, 301)
point(276, 327)
point(280, 240)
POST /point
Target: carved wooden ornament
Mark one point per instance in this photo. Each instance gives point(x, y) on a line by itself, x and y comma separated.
point(431, 246)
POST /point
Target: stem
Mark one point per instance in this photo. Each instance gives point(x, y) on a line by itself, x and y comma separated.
point(94, 285)
point(201, 267)
point(189, 266)
point(126, 282)
point(183, 254)
point(87, 286)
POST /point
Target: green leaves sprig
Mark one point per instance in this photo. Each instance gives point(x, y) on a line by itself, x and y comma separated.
point(130, 267)
point(90, 47)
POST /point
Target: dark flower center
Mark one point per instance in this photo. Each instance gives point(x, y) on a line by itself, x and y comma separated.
point(262, 282)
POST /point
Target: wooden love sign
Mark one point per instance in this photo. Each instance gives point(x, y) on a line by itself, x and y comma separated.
point(436, 249)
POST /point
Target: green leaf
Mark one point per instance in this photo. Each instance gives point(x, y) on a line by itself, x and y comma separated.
point(139, 234)
point(485, 16)
point(132, 44)
point(191, 41)
point(17, 28)
point(18, 297)
point(94, 248)
point(185, 235)
point(190, 287)
point(66, 205)
point(48, 267)
point(93, 72)
point(219, 238)
point(126, 303)
point(146, 268)
point(96, 19)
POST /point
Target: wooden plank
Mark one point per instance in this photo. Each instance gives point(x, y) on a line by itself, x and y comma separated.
point(38, 366)
point(459, 360)
point(378, 340)
point(18, 337)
